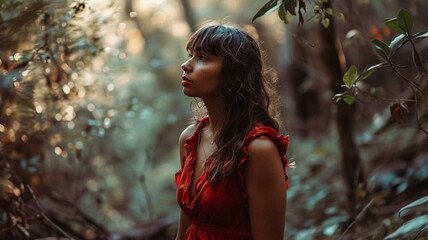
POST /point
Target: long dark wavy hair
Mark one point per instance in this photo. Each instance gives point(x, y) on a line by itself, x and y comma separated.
point(244, 88)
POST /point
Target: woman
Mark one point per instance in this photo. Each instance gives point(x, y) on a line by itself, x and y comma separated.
point(232, 182)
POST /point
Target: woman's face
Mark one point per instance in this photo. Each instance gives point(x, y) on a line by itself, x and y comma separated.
point(202, 75)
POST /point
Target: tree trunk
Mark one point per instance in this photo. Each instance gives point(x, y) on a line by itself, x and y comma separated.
point(335, 67)
point(189, 15)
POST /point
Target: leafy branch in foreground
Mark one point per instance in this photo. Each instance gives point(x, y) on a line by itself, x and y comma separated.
point(284, 8)
point(403, 25)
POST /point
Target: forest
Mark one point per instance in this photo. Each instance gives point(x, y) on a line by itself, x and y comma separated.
point(91, 108)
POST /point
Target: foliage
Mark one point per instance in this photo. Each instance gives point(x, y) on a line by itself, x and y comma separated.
point(45, 50)
point(88, 123)
point(284, 8)
point(403, 25)
point(412, 99)
point(88, 151)
point(417, 225)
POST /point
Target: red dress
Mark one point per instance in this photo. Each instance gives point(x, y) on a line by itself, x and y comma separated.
point(221, 211)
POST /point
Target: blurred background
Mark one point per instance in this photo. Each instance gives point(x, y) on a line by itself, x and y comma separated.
point(91, 109)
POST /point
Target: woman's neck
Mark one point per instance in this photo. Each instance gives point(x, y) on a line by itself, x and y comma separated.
point(217, 113)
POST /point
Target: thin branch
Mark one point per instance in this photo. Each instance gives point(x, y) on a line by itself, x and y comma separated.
point(43, 215)
point(422, 129)
point(382, 98)
point(405, 78)
point(357, 218)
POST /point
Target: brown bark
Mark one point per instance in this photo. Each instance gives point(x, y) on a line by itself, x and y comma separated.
point(335, 66)
point(189, 15)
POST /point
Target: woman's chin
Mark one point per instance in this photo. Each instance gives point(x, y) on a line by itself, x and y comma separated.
point(188, 93)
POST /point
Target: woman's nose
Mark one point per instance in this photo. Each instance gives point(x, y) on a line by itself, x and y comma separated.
point(186, 66)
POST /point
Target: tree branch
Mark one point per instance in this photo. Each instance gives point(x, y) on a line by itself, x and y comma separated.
point(44, 217)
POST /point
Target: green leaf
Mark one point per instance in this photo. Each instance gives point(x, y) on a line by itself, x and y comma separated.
point(290, 6)
point(377, 91)
point(354, 33)
point(337, 97)
point(420, 35)
point(396, 40)
point(416, 203)
point(366, 73)
point(381, 46)
point(325, 22)
point(269, 7)
point(341, 17)
point(282, 13)
point(329, 11)
point(350, 76)
point(405, 21)
point(392, 23)
point(349, 99)
point(410, 227)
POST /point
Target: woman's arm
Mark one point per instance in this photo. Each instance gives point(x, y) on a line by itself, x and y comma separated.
point(183, 224)
point(183, 221)
point(265, 184)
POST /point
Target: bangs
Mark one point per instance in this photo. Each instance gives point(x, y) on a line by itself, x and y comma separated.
point(209, 39)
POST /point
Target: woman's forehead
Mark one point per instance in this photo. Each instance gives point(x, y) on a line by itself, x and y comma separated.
point(203, 47)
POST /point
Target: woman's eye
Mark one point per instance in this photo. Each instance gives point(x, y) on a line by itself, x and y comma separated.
point(202, 58)
point(189, 55)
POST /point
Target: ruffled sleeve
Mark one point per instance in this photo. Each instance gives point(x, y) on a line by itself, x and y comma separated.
point(281, 142)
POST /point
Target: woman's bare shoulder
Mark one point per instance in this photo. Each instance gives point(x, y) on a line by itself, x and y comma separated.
point(264, 154)
point(262, 145)
point(187, 132)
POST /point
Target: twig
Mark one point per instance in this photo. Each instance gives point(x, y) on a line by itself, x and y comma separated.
point(357, 218)
point(43, 215)
point(64, 202)
point(410, 82)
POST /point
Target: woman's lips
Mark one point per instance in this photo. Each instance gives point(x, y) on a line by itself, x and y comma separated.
point(185, 81)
